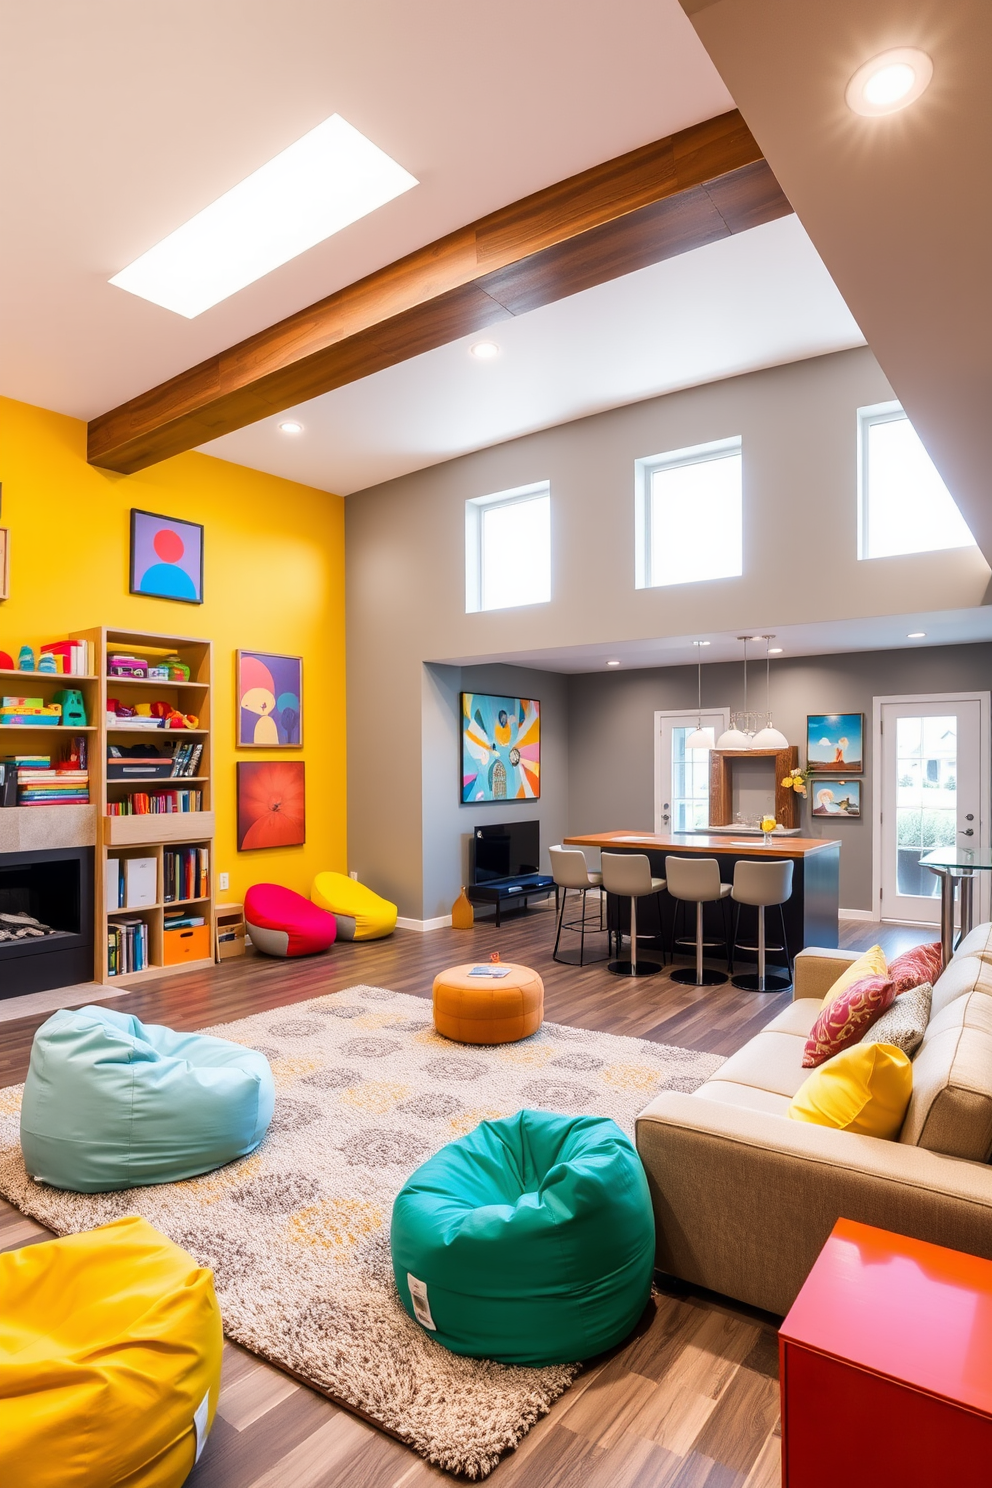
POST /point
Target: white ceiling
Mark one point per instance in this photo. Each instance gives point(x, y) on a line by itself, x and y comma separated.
point(879, 633)
point(120, 120)
point(755, 300)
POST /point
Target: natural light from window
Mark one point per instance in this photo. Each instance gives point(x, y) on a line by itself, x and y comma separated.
point(508, 549)
point(690, 520)
point(904, 505)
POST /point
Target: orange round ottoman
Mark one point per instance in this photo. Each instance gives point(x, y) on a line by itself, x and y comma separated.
point(488, 1010)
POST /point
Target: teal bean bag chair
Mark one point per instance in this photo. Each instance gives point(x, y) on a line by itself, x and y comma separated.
point(529, 1241)
point(112, 1103)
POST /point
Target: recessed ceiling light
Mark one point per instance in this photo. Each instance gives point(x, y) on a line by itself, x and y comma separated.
point(889, 82)
point(485, 350)
point(612, 663)
point(915, 635)
point(774, 650)
point(291, 427)
point(326, 180)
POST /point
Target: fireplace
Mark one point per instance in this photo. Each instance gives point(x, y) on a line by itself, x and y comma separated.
point(53, 887)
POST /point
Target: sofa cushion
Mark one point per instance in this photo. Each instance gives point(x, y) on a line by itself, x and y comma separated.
point(965, 974)
point(770, 1061)
point(905, 1022)
point(923, 963)
point(748, 1096)
point(798, 1017)
point(847, 1018)
point(871, 963)
point(864, 1089)
point(951, 1106)
point(977, 942)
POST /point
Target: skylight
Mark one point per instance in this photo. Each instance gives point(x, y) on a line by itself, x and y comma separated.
point(904, 505)
point(326, 180)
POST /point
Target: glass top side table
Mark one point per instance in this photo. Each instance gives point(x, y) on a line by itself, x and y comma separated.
point(956, 867)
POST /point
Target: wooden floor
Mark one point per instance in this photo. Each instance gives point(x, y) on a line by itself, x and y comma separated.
point(691, 1400)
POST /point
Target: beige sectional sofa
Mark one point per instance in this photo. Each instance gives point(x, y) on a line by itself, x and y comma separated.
point(744, 1198)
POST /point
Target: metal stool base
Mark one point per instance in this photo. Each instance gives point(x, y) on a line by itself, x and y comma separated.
point(687, 976)
point(755, 983)
point(628, 969)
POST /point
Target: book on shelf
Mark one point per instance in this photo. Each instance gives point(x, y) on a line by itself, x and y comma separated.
point(48, 787)
point(127, 947)
point(73, 658)
point(140, 882)
point(137, 761)
point(141, 803)
point(184, 922)
point(186, 871)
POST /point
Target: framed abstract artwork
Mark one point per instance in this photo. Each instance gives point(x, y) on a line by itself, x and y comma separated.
point(835, 743)
point(839, 798)
point(166, 557)
point(271, 804)
point(270, 700)
point(501, 748)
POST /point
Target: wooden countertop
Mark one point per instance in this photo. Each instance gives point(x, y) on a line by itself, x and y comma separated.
point(741, 847)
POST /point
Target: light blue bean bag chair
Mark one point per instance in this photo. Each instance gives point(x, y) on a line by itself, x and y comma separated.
point(112, 1103)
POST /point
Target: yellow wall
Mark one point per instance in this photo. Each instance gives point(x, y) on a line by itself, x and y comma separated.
point(273, 581)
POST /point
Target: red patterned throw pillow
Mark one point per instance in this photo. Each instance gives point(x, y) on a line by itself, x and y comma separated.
point(848, 1018)
point(922, 964)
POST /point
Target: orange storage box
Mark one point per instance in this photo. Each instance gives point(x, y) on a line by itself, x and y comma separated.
point(191, 944)
point(480, 1010)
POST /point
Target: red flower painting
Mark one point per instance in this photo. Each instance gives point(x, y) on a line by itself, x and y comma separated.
point(271, 804)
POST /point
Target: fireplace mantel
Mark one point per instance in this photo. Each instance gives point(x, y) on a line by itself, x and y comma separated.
point(34, 828)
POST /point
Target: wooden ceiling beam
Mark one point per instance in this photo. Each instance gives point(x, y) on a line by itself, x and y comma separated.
point(663, 199)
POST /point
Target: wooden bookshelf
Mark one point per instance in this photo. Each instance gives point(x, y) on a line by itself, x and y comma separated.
point(151, 835)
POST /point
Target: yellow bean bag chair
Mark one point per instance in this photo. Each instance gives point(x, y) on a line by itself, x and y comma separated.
point(361, 915)
point(110, 1345)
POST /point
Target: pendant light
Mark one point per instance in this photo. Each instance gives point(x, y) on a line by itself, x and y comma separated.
point(770, 737)
point(700, 738)
point(735, 737)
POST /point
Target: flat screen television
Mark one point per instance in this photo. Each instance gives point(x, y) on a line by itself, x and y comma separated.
point(505, 850)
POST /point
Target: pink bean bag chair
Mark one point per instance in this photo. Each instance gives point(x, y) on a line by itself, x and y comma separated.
point(282, 923)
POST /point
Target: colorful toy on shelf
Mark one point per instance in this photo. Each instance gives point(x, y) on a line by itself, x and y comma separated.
point(119, 665)
point(158, 673)
point(73, 707)
point(178, 671)
point(47, 662)
point(6, 662)
point(25, 659)
point(173, 719)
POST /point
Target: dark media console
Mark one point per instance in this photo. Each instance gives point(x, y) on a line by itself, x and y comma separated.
point(504, 865)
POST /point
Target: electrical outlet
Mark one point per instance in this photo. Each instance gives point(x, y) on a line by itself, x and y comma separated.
point(223, 880)
point(354, 874)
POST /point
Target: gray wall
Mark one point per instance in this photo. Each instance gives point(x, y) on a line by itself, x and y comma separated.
point(405, 552)
point(611, 734)
point(447, 823)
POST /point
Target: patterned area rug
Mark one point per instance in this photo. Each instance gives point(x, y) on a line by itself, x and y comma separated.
point(297, 1233)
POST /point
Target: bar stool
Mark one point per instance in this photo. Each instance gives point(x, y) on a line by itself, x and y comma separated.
point(628, 875)
point(697, 881)
point(570, 870)
point(763, 885)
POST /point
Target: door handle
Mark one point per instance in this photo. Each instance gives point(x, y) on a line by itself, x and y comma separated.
point(968, 832)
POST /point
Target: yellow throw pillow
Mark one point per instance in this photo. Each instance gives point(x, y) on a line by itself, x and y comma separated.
point(872, 963)
point(864, 1089)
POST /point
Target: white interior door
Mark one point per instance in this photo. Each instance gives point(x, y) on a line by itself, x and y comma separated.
point(682, 776)
point(931, 791)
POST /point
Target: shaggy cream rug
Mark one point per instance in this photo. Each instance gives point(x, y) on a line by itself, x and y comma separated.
point(297, 1234)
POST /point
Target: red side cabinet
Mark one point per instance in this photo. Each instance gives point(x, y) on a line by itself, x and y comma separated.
point(886, 1367)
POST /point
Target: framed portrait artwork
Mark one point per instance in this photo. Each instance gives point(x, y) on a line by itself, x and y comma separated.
point(166, 557)
point(271, 804)
point(838, 798)
point(835, 743)
point(501, 748)
point(270, 700)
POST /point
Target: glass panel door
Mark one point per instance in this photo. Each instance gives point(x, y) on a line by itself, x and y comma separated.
point(931, 797)
point(682, 789)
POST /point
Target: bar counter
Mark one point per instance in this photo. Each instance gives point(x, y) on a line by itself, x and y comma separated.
point(810, 915)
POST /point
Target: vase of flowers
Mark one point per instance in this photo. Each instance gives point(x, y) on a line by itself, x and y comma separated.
point(796, 781)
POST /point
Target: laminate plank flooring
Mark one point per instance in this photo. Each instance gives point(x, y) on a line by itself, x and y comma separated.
point(690, 1401)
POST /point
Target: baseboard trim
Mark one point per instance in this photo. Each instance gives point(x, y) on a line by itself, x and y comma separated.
point(439, 922)
point(858, 914)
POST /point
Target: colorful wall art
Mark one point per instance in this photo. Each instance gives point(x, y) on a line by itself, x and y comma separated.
point(501, 748)
point(839, 798)
point(835, 743)
point(271, 804)
point(166, 557)
point(270, 701)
